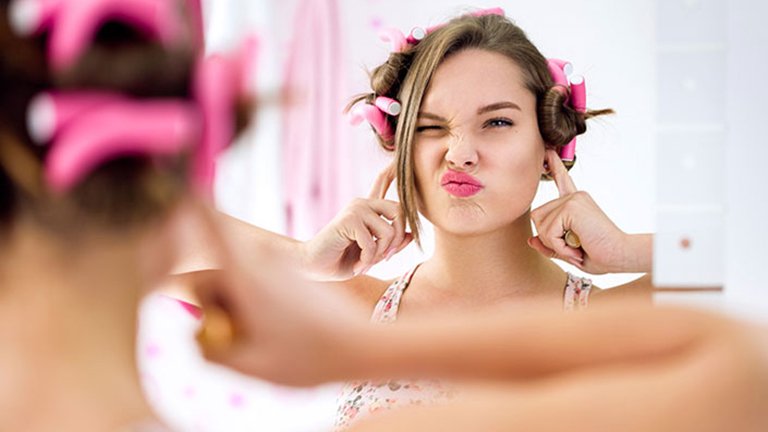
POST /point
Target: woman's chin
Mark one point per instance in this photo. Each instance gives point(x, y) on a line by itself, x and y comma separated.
point(463, 219)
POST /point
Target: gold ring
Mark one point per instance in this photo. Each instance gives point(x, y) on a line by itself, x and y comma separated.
point(571, 239)
point(217, 331)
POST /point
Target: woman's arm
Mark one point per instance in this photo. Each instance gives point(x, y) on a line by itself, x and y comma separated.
point(718, 383)
point(246, 241)
point(516, 343)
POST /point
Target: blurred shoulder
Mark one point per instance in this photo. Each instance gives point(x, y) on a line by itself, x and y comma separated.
point(365, 289)
point(638, 290)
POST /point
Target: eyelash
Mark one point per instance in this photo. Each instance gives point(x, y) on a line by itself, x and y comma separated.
point(428, 128)
point(498, 122)
point(492, 123)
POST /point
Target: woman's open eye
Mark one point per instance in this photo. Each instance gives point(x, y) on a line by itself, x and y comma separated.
point(498, 123)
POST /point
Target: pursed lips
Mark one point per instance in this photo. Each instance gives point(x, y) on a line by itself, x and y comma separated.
point(460, 184)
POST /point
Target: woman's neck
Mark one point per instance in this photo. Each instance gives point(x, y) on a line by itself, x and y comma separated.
point(67, 335)
point(492, 265)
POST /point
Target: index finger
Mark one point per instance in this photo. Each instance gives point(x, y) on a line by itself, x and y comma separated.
point(383, 181)
point(559, 174)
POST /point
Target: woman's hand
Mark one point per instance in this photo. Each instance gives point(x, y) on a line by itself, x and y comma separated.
point(366, 232)
point(604, 247)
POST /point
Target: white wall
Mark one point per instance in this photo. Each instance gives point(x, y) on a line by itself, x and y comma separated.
point(747, 194)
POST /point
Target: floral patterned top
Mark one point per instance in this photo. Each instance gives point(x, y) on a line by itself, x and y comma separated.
point(362, 398)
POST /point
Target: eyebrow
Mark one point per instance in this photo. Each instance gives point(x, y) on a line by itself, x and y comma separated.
point(483, 110)
point(498, 106)
point(431, 116)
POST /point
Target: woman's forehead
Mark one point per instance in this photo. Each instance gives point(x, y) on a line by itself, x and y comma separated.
point(474, 78)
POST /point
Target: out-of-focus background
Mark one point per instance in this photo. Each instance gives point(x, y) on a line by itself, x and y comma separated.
point(684, 77)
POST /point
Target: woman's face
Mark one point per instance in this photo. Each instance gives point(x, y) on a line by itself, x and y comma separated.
point(478, 153)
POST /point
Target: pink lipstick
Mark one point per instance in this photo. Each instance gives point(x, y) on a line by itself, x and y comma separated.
point(460, 184)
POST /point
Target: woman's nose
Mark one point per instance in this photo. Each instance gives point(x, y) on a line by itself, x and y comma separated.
point(461, 153)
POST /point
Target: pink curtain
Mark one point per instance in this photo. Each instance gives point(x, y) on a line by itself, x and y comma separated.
point(316, 156)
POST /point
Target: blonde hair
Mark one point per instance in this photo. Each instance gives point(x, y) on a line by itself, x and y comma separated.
point(406, 75)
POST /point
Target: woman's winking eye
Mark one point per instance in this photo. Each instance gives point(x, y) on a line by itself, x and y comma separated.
point(431, 128)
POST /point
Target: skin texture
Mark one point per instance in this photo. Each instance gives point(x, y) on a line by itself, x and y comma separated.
point(69, 331)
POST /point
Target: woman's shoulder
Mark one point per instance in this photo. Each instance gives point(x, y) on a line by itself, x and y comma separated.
point(640, 289)
point(365, 289)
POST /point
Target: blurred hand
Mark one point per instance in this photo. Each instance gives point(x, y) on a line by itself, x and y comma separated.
point(266, 322)
point(604, 247)
point(366, 232)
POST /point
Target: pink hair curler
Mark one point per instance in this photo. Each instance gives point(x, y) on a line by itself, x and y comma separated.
point(215, 92)
point(220, 80)
point(73, 23)
point(416, 35)
point(489, 11)
point(395, 37)
point(373, 115)
point(388, 105)
point(568, 152)
point(49, 113)
point(119, 128)
point(557, 73)
point(28, 17)
point(195, 8)
point(565, 66)
point(562, 75)
point(578, 93)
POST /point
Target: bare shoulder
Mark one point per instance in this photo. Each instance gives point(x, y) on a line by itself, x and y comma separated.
point(640, 289)
point(365, 289)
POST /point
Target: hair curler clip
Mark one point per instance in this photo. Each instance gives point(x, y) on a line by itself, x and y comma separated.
point(374, 116)
point(118, 128)
point(73, 23)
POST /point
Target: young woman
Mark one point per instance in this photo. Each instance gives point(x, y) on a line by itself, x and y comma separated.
point(482, 121)
point(98, 125)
